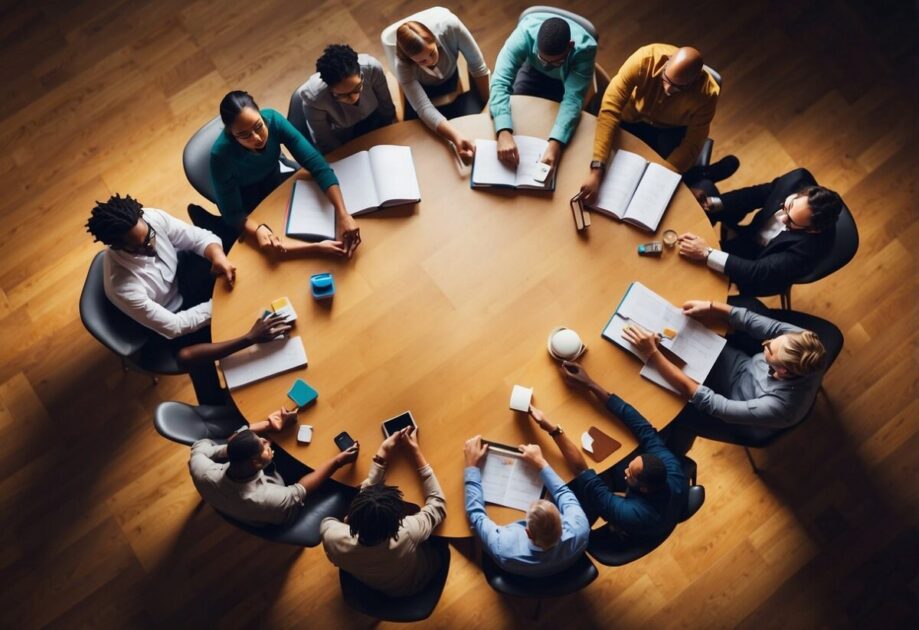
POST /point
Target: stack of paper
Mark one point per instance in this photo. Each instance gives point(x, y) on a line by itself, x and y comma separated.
point(263, 360)
point(508, 480)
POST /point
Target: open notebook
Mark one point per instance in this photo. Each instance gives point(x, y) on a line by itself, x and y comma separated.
point(489, 171)
point(263, 360)
point(635, 190)
point(508, 480)
point(370, 180)
point(693, 344)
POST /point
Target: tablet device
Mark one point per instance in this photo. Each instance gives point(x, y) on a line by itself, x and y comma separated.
point(394, 425)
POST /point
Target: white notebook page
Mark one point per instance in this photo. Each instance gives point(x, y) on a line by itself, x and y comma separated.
point(488, 169)
point(263, 360)
point(652, 196)
point(311, 212)
point(508, 480)
point(619, 182)
point(394, 173)
point(356, 180)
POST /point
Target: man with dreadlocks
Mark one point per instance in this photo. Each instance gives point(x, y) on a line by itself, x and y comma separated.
point(378, 543)
point(154, 266)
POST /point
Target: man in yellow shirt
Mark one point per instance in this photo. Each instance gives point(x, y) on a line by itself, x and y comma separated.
point(663, 95)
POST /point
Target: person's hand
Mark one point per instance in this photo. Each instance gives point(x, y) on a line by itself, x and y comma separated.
point(348, 456)
point(264, 330)
point(223, 267)
point(331, 248)
point(279, 419)
point(465, 148)
point(532, 455)
point(644, 341)
point(267, 241)
point(696, 308)
point(575, 374)
point(553, 153)
point(693, 247)
point(474, 450)
point(540, 418)
point(591, 185)
point(702, 198)
point(410, 438)
point(507, 148)
point(350, 235)
point(387, 445)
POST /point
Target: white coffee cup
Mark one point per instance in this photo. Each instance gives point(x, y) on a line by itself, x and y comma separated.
point(565, 345)
point(521, 397)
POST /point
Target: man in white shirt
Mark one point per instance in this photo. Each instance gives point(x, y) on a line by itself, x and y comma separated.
point(152, 268)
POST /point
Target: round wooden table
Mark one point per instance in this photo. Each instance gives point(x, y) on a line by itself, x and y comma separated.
point(448, 303)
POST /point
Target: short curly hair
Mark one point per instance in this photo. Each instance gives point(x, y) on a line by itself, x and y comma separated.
point(338, 62)
point(111, 220)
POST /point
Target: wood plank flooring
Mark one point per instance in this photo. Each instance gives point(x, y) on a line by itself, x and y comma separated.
point(101, 526)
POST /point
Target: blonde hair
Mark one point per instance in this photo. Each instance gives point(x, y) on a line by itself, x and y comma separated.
point(803, 353)
point(544, 524)
point(412, 38)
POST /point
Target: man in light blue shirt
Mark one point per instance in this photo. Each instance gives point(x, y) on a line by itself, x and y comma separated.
point(548, 540)
point(545, 56)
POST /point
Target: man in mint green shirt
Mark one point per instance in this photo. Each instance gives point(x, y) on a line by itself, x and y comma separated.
point(546, 56)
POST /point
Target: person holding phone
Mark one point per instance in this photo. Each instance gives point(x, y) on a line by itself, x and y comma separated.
point(377, 542)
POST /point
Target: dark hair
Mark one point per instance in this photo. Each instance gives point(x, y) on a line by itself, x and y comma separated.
point(825, 206)
point(553, 36)
point(376, 514)
point(243, 446)
point(338, 62)
point(233, 103)
point(653, 473)
point(111, 220)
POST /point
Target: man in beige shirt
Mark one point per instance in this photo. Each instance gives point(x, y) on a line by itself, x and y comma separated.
point(239, 480)
point(378, 543)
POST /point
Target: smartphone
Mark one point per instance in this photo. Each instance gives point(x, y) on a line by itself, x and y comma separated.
point(394, 425)
point(343, 441)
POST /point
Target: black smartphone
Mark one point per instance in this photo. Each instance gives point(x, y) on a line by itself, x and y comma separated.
point(343, 441)
point(394, 425)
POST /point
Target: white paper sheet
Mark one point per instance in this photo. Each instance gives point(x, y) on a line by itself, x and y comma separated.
point(263, 360)
point(508, 480)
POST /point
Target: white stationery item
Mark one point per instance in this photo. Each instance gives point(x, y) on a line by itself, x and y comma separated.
point(263, 360)
point(488, 170)
point(305, 434)
point(369, 180)
point(508, 480)
point(587, 442)
point(635, 190)
point(521, 397)
point(692, 343)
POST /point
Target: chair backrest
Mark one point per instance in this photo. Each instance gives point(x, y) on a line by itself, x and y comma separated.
point(571, 580)
point(388, 35)
point(694, 500)
point(186, 424)
point(714, 74)
point(844, 248)
point(583, 22)
point(112, 328)
point(196, 158)
point(296, 114)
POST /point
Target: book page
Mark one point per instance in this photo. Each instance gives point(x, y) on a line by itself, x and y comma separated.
point(394, 174)
point(356, 180)
point(508, 480)
point(310, 214)
point(619, 183)
point(530, 150)
point(652, 197)
point(263, 360)
point(698, 347)
point(487, 169)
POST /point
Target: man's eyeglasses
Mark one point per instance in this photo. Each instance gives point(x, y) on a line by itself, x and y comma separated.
point(551, 64)
point(148, 244)
point(676, 87)
point(786, 207)
point(346, 96)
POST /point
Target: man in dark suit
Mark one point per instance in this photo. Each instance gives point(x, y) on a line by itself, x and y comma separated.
point(794, 228)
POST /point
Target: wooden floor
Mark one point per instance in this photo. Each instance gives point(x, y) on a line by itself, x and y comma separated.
point(101, 526)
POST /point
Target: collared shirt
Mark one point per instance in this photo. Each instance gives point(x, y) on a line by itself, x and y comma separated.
point(510, 546)
point(770, 229)
point(145, 288)
point(264, 499)
point(397, 567)
point(576, 73)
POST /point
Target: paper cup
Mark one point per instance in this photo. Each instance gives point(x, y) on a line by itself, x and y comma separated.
point(521, 397)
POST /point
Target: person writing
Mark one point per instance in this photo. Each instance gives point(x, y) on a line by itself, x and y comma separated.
point(245, 169)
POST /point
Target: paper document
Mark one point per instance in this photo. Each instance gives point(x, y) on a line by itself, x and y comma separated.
point(263, 360)
point(508, 480)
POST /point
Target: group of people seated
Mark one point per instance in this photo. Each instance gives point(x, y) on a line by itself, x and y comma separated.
point(160, 272)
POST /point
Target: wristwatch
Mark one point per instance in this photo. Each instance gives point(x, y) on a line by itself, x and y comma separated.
point(708, 252)
point(597, 164)
point(556, 431)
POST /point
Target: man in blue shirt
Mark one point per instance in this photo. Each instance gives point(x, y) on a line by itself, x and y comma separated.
point(545, 56)
point(654, 484)
point(548, 540)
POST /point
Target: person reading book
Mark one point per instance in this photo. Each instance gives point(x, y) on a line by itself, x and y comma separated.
point(245, 169)
point(346, 98)
point(653, 485)
point(426, 67)
point(663, 95)
point(548, 540)
point(549, 57)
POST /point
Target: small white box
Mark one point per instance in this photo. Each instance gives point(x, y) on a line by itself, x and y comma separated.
point(521, 397)
point(305, 434)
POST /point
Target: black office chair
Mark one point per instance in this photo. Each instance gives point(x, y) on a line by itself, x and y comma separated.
point(417, 607)
point(196, 158)
point(186, 424)
point(705, 155)
point(119, 333)
point(761, 437)
point(844, 248)
point(571, 580)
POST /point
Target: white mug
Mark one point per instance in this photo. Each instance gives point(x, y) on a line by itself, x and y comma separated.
point(521, 397)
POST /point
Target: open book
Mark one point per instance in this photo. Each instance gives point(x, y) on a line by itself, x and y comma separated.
point(488, 170)
point(508, 480)
point(263, 360)
point(370, 180)
point(683, 337)
point(635, 190)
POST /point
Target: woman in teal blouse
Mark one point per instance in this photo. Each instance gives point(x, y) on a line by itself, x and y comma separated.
point(244, 170)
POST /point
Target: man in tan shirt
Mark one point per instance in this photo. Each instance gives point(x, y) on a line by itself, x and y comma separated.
point(663, 95)
point(378, 543)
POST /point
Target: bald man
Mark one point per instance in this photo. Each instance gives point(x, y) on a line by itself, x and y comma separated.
point(662, 95)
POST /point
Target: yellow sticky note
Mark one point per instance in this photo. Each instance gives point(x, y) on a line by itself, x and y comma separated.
point(669, 333)
point(279, 304)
